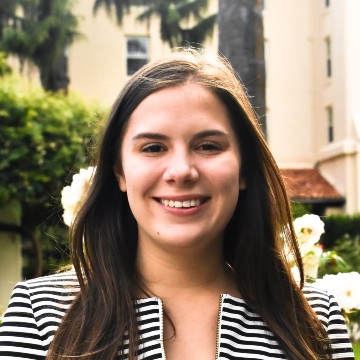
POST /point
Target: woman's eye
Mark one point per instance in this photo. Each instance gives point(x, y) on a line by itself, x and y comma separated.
point(209, 147)
point(153, 148)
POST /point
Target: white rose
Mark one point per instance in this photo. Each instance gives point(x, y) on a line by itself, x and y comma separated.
point(344, 286)
point(308, 229)
point(311, 261)
point(73, 196)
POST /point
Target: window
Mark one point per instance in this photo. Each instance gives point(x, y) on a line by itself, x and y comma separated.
point(328, 57)
point(330, 123)
point(137, 53)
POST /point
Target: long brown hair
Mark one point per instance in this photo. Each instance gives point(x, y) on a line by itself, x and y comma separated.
point(104, 235)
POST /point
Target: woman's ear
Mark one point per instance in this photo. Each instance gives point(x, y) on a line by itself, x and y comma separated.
point(120, 178)
point(242, 183)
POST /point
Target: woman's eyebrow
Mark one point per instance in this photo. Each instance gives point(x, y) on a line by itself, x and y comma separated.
point(210, 133)
point(197, 136)
point(150, 135)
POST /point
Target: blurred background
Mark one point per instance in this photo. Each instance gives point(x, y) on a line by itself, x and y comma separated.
point(63, 63)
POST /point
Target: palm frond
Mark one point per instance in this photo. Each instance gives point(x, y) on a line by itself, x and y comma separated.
point(174, 14)
point(192, 8)
point(198, 33)
point(147, 14)
point(102, 3)
point(120, 7)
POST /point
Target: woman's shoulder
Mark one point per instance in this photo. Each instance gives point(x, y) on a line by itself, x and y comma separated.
point(59, 284)
point(44, 295)
point(322, 302)
point(35, 311)
point(313, 293)
point(63, 279)
point(329, 313)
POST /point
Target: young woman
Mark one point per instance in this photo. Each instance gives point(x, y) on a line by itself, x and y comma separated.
point(179, 247)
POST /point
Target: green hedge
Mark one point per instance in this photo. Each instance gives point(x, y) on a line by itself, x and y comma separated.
point(44, 138)
point(357, 351)
point(336, 226)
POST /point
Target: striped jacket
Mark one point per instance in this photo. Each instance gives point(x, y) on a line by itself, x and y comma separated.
point(37, 307)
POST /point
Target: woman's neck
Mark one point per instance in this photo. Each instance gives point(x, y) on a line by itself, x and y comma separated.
point(166, 274)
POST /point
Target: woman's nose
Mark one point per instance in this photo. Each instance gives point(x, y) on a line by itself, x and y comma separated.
point(180, 169)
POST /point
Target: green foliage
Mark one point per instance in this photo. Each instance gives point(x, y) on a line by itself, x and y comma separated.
point(40, 35)
point(120, 7)
point(299, 209)
point(357, 351)
point(53, 237)
point(336, 226)
point(349, 249)
point(331, 262)
point(5, 68)
point(43, 137)
point(344, 254)
point(182, 22)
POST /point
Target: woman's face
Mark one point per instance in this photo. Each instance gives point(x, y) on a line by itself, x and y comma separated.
point(180, 168)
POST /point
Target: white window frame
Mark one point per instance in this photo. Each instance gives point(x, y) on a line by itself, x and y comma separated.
point(139, 53)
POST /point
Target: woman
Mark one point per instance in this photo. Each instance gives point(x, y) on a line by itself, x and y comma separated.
point(178, 249)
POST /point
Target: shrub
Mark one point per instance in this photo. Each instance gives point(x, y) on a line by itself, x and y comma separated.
point(336, 226)
point(43, 138)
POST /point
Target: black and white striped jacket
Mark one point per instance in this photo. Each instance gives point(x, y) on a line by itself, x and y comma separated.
point(37, 307)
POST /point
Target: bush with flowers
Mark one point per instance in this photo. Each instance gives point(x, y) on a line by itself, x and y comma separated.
point(42, 137)
point(329, 271)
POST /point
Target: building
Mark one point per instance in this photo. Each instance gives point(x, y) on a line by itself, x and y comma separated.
point(100, 64)
point(312, 51)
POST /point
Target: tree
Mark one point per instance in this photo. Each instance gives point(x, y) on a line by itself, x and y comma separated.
point(7, 14)
point(43, 136)
point(119, 6)
point(39, 31)
point(182, 22)
point(241, 40)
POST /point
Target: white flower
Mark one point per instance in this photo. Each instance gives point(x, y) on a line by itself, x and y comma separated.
point(345, 287)
point(311, 261)
point(308, 229)
point(72, 196)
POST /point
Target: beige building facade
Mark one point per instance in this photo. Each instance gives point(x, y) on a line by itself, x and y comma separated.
point(101, 63)
point(313, 89)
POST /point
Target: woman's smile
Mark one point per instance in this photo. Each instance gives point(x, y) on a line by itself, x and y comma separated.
point(186, 201)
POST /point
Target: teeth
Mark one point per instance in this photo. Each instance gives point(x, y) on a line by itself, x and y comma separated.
point(180, 204)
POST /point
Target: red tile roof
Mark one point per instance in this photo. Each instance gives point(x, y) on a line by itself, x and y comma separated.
point(309, 185)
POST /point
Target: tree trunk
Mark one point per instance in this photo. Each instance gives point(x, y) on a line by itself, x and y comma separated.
point(241, 41)
point(55, 78)
point(53, 73)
